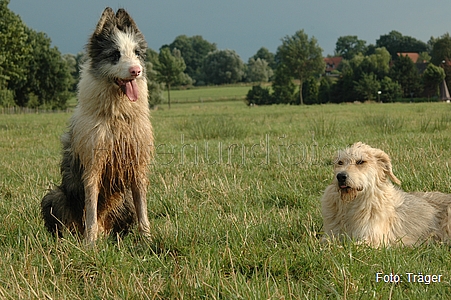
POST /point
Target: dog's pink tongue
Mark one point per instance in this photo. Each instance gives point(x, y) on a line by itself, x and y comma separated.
point(130, 89)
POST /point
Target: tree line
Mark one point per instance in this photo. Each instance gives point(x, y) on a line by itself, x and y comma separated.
point(34, 74)
point(382, 71)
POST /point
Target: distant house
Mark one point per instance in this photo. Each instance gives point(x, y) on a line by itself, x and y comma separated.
point(414, 56)
point(332, 64)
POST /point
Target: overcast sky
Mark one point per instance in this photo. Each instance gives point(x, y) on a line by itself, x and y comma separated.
point(240, 25)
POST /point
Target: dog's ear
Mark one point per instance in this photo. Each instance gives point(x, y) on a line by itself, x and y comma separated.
point(106, 18)
point(124, 20)
point(385, 162)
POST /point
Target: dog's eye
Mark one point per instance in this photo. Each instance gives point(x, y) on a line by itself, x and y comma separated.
point(340, 163)
point(116, 55)
point(137, 53)
point(360, 162)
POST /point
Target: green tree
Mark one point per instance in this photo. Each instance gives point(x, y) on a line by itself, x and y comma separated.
point(47, 77)
point(223, 67)
point(155, 88)
point(193, 50)
point(258, 70)
point(377, 63)
point(183, 79)
point(29, 66)
point(360, 70)
point(405, 72)
point(390, 90)
point(349, 46)
point(441, 50)
point(151, 56)
point(395, 42)
point(310, 90)
point(367, 87)
point(302, 57)
point(71, 62)
point(258, 95)
point(325, 89)
point(284, 90)
point(423, 57)
point(74, 63)
point(169, 69)
point(14, 49)
point(441, 54)
point(380, 62)
point(343, 89)
point(264, 53)
point(432, 78)
point(6, 98)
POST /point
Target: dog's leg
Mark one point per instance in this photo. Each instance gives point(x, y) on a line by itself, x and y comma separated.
point(91, 223)
point(139, 199)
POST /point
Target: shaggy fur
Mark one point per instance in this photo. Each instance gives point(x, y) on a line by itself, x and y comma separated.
point(363, 204)
point(108, 146)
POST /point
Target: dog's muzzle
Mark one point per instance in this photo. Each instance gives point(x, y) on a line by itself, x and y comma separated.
point(342, 178)
point(347, 192)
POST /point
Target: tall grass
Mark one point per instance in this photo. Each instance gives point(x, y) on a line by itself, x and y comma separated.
point(214, 127)
point(386, 124)
point(437, 123)
point(322, 126)
point(243, 224)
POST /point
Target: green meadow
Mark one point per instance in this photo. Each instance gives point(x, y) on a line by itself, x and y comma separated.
point(209, 93)
point(234, 206)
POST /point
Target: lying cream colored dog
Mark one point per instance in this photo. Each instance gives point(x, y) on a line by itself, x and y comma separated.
point(363, 204)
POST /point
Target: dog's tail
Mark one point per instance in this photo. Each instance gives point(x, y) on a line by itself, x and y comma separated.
point(58, 214)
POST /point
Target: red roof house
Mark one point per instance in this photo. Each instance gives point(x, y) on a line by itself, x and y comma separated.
point(412, 55)
point(332, 63)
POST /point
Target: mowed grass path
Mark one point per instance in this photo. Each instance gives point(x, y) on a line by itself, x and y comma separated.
point(199, 94)
point(234, 205)
point(234, 92)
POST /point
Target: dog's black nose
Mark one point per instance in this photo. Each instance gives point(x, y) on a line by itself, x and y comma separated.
point(341, 177)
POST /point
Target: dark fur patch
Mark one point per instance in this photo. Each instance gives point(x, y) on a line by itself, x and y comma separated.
point(63, 207)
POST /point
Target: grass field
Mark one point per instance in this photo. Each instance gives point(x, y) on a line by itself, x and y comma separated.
point(234, 205)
